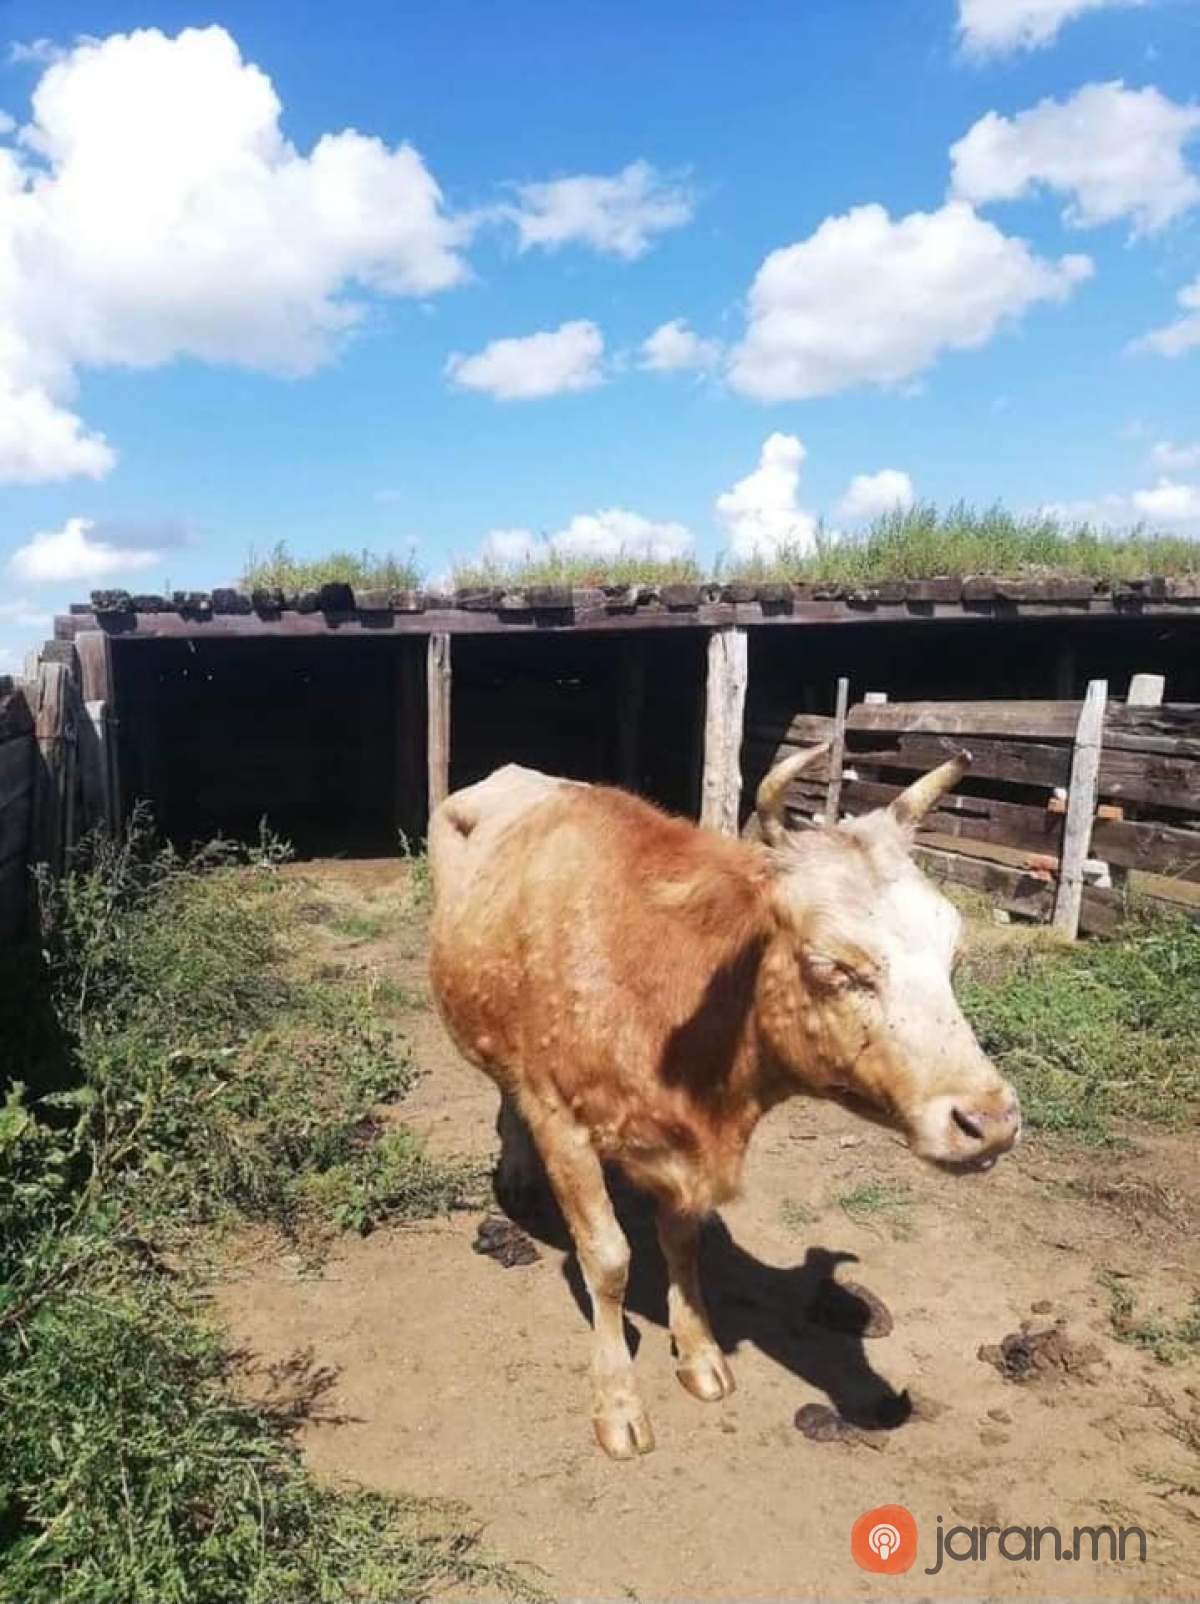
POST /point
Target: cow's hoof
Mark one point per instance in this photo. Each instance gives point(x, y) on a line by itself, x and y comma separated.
point(624, 1430)
point(707, 1375)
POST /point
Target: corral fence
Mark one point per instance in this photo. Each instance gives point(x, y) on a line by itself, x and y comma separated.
point(54, 777)
point(1068, 806)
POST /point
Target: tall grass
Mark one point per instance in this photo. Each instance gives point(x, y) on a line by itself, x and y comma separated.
point(552, 568)
point(196, 1076)
point(923, 543)
point(278, 569)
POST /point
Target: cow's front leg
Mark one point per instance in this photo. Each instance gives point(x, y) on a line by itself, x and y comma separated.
point(619, 1417)
point(701, 1367)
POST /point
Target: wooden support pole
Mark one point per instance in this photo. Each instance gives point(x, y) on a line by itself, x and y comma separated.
point(1146, 690)
point(438, 685)
point(54, 729)
point(630, 698)
point(1081, 809)
point(97, 747)
point(837, 752)
point(725, 707)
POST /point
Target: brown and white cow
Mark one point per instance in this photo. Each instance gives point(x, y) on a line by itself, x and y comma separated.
point(643, 991)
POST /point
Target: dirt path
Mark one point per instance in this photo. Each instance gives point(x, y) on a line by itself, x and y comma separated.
point(459, 1378)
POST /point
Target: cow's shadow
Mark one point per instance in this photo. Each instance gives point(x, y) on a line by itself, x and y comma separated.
point(748, 1301)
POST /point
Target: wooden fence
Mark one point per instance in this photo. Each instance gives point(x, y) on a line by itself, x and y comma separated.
point(1066, 807)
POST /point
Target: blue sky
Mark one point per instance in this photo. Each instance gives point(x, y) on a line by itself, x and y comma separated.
point(943, 248)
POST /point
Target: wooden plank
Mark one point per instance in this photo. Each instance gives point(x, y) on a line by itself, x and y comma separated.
point(1081, 809)
point(1033, 719)
point(1016, 762)
point(16, 768)
point(438, 683)
point(1146, 690)
point(833, 794)
point(631, 695)
point(15, 818)
point(1163, 782)
point(1015, 889)
point(94, 650)
point(725, 705)
point(1156, 848)
point(54, 729)
point(979, 818)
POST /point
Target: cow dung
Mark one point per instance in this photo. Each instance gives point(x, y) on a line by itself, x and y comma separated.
point(823, 1423)
point(499, 1239)
point(1041, 1355)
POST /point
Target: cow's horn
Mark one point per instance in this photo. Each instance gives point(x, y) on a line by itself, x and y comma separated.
point(911, 806)
point(769, 801)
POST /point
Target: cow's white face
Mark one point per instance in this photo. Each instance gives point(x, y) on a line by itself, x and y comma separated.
point(857, 996)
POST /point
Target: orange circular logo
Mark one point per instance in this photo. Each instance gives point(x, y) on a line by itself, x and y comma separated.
point(884, 1539)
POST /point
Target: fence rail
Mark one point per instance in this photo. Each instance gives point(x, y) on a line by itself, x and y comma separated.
point(1067, 805)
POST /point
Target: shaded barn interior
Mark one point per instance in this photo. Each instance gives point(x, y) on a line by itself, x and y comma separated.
point(624, 709)
point(322, 739)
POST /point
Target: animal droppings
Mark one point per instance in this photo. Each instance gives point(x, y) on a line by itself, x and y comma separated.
point(1041, 1356)
point(499, 1239)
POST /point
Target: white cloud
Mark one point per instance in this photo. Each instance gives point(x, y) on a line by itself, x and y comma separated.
point(1176, 339)
point(40, 439)
point(41, 52)
point(24, 615)
point(1114, 152)
point(761, 513)
point(865, 300)
point(77, 551)
point(870, 495)
point(618, 215)
point(612, 532)
point(1172, 458)
point(152, 208)
point(674, 347)
point(995, 27)
point(523, 368)
point(1170, 506)
point(511, 546)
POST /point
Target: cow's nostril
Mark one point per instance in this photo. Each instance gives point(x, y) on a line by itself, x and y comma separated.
point(969, 1127)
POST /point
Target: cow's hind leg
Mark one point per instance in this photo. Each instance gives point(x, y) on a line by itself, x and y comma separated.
point(520, 1179)
point(619, 1417)
point(701, 1367)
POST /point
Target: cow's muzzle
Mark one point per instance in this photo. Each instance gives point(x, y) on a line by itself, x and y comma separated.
point(969, 1133)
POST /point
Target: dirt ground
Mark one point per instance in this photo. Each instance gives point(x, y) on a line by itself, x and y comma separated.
point(448, 1375)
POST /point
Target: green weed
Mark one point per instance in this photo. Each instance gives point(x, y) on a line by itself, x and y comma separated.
point(1170, 1339)
point(367, 570)
point(875, 1204)
point(796, 1216)
point(1097, 1031)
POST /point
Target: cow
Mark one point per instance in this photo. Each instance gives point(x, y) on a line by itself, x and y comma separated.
point(643, 990)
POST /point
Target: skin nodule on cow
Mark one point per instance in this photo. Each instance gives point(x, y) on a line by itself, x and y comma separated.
point(643, 990)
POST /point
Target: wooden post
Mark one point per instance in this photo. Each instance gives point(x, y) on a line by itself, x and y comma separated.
point(54, 729)
point(725, 707)
point(438, 686)
point(630, 697)
point(98, 733)
point(1081, 809)
point(1146, 690)
point(837, 751)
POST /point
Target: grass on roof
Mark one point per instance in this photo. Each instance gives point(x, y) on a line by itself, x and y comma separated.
point(919, 543)
point(278, 569)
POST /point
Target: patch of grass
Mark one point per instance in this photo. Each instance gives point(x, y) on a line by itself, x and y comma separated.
point(551, 568)
point(922, 542)
point(357, 924)
point(1171, 1339)
point(875, 1204)
point(796, 1216)
point(420, 875)
point(394, 997)
point(1096, 1031)
point(278, 569)
point(181, 1072)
